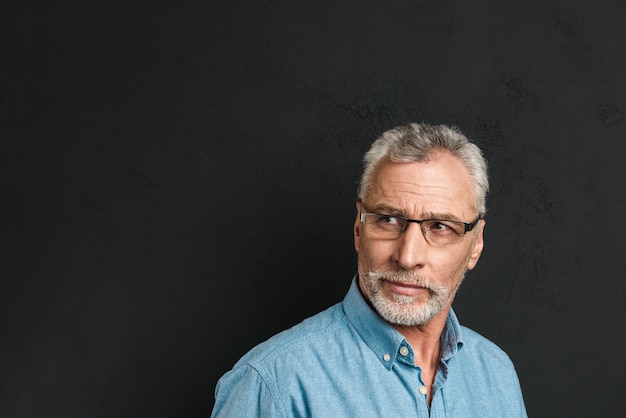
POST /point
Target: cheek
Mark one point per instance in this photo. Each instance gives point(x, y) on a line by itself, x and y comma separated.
point(449, 267)
point(374, 255)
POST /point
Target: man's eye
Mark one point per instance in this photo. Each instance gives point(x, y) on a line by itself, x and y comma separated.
point(439, 225)
point(442, 227)
point(388, 220)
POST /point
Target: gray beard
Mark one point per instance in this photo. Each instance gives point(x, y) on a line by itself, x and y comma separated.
point(399, 309)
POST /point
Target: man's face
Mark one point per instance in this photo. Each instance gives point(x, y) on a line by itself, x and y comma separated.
point(408, 280)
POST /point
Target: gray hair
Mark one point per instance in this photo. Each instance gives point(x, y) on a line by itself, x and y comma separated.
point(417, 142)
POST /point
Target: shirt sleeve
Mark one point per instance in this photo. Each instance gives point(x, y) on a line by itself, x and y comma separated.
point(242, 392)
point(519, 396)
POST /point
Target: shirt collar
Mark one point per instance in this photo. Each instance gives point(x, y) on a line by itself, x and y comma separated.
point(382, 338)
point(451, 337)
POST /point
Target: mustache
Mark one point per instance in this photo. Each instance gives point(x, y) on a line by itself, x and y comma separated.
point(404, 276)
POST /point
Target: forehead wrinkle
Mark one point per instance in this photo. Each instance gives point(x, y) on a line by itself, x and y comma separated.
point(411, 200)
point(415, 201)
point(422, 189)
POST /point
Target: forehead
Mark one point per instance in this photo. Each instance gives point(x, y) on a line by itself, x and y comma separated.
point(441, 185)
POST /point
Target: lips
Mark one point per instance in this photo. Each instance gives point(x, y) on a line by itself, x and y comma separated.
point(407, 289)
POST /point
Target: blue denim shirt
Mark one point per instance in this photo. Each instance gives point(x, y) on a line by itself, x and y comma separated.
point(347, 362)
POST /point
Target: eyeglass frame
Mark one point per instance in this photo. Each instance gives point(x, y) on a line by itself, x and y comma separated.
point(467, 226)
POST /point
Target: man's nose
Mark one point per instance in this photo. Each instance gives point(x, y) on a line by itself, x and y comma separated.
point(412, 248)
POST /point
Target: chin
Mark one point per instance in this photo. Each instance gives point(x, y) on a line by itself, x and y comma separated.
point(405, 310)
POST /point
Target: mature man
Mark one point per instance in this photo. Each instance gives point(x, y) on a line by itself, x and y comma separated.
point(393, 347)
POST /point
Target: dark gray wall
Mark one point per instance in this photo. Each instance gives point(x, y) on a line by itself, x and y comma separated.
point(178, 184)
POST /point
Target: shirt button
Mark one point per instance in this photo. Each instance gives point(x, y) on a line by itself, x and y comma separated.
point(386, 357)
point(423, 390)
point(404, 351)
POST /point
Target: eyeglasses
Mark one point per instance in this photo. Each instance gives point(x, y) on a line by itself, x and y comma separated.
point(436, 231)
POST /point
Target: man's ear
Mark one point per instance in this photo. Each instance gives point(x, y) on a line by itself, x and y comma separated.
point(357, 226)
point(478, 246)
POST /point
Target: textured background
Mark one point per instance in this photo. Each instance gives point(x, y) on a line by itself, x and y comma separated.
point(178, 184)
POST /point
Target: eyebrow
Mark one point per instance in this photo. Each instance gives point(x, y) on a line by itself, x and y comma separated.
point(444, 216)
point(388, 210)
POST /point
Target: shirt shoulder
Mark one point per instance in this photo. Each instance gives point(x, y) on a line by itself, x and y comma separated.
point(302, 337)
point(284, 373)
point(480, 347)
point(481, 378)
